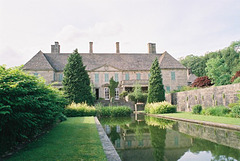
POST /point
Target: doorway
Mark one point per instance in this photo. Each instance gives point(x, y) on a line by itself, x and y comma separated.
point(97, 93)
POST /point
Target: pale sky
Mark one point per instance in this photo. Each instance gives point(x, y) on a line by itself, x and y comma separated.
point(180, 27)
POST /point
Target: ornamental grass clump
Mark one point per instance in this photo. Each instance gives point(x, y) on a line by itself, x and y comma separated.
point(160, 107)
point(79, 109)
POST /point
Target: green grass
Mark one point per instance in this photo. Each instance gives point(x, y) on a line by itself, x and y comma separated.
point(73, 140)
point(216, 119)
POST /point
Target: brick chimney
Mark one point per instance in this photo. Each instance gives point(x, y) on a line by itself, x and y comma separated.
point(90, 47)
point(55, 48)
point(151, 48)
point(117, 48)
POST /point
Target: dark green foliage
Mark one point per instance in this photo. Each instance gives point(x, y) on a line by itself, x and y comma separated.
point(76, 82)
point(197, 109)
point(114, 111)
point(78, 110)
point(216, 111)
point(195, 63)
point(112, 86)
point(27, 107)
point(156, 92)
point(160, 107)
point(230, 56)
point(137, 95)
point(218, 71)
point(235, 111)
point(158, 137)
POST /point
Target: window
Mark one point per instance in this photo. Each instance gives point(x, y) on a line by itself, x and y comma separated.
point(116, 77)
point(179, 87)
point(118, 143)
point(35, 74)
point(138, 76)
point(140, 143)
point(129, 143)
point(168, 88)
point(149, 75)
point(60, 77)
point(106, 92)
point(106, 77)
point(172, 75)
point(176, 140)
point(96, 78)
point(126, 76)
point(117, 93)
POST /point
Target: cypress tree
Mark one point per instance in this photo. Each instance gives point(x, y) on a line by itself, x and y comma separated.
point(76, 82)
point(156, 92)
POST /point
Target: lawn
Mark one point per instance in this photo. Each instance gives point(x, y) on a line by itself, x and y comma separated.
point(217, 119)
point(73, 140)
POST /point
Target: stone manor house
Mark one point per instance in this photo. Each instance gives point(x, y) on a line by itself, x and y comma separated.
point(125, 68)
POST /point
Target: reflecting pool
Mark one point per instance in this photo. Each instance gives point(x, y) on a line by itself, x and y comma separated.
point(145, 138)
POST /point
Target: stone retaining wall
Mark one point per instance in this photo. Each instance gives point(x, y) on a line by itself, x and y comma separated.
point(212, 96)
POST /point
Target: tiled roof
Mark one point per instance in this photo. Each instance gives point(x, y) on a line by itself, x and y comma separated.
point(38, 62)
point(120, 61)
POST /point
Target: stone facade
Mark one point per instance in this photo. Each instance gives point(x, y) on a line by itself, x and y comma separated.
point(127, 69)
point(212, 96)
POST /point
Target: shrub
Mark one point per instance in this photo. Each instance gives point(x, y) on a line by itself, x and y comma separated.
point(137, 95)
point(160, 107)
point(237, 80)
point(230, 105)
point(235, 111)
point(114, 111)
point(79, 109)
point(27, 106)
point(237, 75)
point(123, 94)
point(202, 82)
point(216, 111)
point(197, 109)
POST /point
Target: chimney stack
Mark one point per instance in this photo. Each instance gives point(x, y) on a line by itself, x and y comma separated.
point(117, 48)
point(151, 48)
point(55, 48)
point(90, 47)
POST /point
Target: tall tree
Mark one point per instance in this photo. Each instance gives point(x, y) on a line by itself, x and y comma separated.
point(76, 82)
point(218, 71)
point(156, 92)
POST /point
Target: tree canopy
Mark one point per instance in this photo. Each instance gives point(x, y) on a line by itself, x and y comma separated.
point(76, 82)
point(156, 92)
point(229, 58)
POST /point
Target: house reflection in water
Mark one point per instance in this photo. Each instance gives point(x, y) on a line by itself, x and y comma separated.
point(149, 138)
point(134, 141)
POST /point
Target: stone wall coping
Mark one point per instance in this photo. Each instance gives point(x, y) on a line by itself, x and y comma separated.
point(108, 148)
point(225, 126)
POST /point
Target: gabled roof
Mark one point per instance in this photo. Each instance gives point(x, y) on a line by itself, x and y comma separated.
point(38, 62)
point(166, 61)
point(125, 62)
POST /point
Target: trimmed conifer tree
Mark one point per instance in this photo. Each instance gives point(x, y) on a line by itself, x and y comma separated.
point(156, 92)
point(76, 82)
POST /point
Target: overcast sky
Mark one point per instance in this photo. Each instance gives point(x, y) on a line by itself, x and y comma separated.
point(180, 27)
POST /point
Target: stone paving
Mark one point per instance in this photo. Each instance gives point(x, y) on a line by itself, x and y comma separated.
point(108, 148)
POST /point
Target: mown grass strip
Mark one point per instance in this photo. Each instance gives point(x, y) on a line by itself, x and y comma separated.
point(74, 140)
point(215, 119)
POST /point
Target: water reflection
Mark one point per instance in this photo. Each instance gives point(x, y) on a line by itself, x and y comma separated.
point(148, 138)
